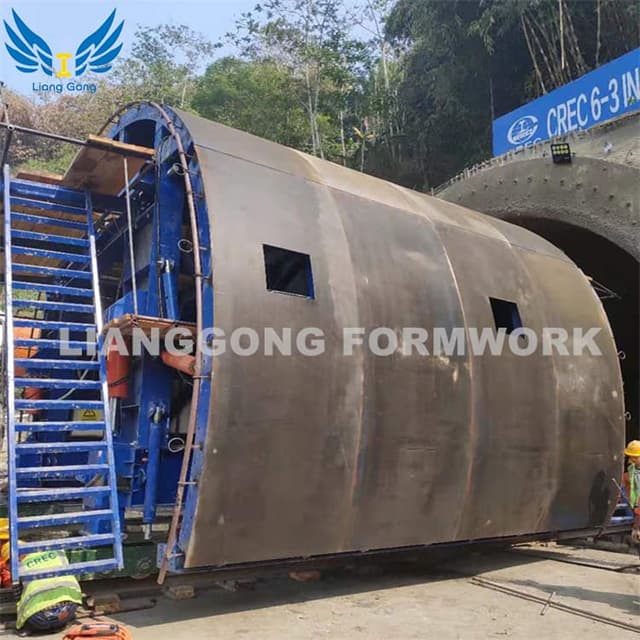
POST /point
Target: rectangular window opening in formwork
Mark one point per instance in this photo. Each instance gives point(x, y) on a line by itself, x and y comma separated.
point(506, 315)
point(288, 271)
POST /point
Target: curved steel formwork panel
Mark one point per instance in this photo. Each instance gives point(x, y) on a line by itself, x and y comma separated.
point(306, 456)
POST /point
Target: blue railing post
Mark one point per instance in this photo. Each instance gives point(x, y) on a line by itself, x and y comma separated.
point(10, 384)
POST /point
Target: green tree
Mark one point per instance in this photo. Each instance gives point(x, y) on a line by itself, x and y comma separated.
point(260, 97)
point(468, 62)
point(313, 41)
point(164, 65)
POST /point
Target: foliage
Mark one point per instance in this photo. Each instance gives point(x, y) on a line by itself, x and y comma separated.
point(311, 41)
point(468, 62)
point(164, 65)
point(259, 97)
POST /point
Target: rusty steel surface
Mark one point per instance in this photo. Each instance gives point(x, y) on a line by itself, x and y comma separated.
point(317, 455)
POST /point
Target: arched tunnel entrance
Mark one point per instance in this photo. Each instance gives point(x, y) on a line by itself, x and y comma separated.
point(616, 277)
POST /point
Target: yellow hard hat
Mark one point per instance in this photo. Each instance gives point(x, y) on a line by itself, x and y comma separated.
point(633, 449)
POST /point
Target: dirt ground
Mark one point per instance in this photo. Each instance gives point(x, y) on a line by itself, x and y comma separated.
point(406, 600)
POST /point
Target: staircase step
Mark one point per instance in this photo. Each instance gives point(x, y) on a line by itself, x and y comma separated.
point(62, 471)
point(51, 427)
point(57, 519)
point(58, 345)
point(50, 221)
point(77, 365)
point(19, 234)
point(69, 446)
point(75, 569)
point(48, 254)
point(70, 286)
point(53, 325)
point(59, 494)
point(58, 383)
point(51, 271)
point(53, 288)
point(75, 542)
point(47, 305)
point(21, 404)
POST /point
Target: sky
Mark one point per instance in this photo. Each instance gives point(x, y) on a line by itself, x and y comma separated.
point(63, 25)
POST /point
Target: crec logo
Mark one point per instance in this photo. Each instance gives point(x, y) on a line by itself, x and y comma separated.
point(96, 52)
point(522, 130)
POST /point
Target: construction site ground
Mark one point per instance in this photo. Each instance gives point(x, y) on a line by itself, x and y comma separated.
point(404, 599)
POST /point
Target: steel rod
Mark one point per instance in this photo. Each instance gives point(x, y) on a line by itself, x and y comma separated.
point(43, 134)
point(132, 257)
point(77, 141)
point(496, 586)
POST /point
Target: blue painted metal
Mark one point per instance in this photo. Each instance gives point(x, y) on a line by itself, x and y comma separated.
point(56, 519)
point(202, 419)
point(47, 455)
point(10, 374)
point(54, 289)
point(57, 383)
point(607, 92)
point(18, 234)
point(56, 345)
point(58, 404)
point(32, 219)
point(62, 471)
point(156, 430)
point(170, 296)
point(147, 471)
point(170, 186)
point(80, 542)
point(28, 495)
point(46, 253)
point(60, 447)
point(113, 496)
point(37, 363)
point(52, 426)
point(77, 568)
point(60, 199)
point(51, 325)
point(72, 274)
point(54, 306)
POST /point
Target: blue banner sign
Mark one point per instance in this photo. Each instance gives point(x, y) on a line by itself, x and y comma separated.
point(600, 95)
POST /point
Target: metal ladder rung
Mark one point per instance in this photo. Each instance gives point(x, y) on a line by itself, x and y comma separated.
point(45, 427)
point(58, 345)
point(38, 363)
point(57, 519)
point(51, 271)
point(68, 471)
point(40, 205)
point(76, 542)
point(47, 305)
point(29, 448)
point(58, 383)
point(59, 404)
point(76, 569)
point(53, 288)
point(52, 325)
point(20, 234)
point(23, 247)
point(59, 494)
point(48, 254)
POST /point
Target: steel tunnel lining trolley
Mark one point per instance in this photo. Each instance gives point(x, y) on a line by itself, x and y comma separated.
point(168, 222)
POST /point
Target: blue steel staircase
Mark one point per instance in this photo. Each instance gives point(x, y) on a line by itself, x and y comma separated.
point(62, 490)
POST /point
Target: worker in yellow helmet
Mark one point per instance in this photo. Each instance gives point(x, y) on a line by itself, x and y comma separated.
point(632, 485)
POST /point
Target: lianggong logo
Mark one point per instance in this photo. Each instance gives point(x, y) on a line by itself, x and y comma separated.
point(95, 54)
